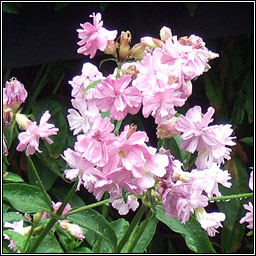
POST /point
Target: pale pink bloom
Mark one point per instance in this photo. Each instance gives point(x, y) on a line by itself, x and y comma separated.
point(216, 139)
point(124, 207)
point(209, 221)
point(194, 127)
point(208, 179)
point(248, 216)
point(56, 207)
point(188, 54)
point(74, 229)
point(29, 139)
point(81, 168)
point(251, 181)
point(14, 93)
point(17, 226)
point(153, 74)
point(161, 104)
point(119, 97)
point(93, 145)
point(181, 199)
point(94, 37)
point(82, 120)
point(90, 74)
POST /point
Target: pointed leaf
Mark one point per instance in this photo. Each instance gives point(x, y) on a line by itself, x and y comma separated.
point(25, 198)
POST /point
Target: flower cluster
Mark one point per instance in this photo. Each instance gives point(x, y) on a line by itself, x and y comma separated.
point(155, 76)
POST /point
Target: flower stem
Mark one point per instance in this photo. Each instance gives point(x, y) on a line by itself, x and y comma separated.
point(47, 197)
point(229, 197)
point(88, 207)
point(133, 224)
point(42, 235)
point(54, 219)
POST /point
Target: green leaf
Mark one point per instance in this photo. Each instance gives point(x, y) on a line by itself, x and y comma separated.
point(119, 226)
point(91, 85)
point(13, 216)
point(195, 237)
point(94, 221)
point(146, 236)
point(238, 109)
point(47, 176)
point(241, 175)
point(247, 140)
point(17, 238)
point(81, 250)
point(48, 245)
point(211, 92)
point(13, 177)
point(5, 208)
point(25, 198)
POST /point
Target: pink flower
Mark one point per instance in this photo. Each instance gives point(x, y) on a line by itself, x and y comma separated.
point(208, 179)
point(193, 127)
point(82, 120)
point(83, 169)
point(14, 93)
point(29, 139)
point(93, 145)
point(117, 96)
point(161, 104)
point(56, 207)
point(248, 216)
point(123, 207)
point(90, 74)
point(74, 229)
point(209, 221)
point(94, 37)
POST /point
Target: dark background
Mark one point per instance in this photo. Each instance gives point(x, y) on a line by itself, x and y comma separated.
point(39, 33)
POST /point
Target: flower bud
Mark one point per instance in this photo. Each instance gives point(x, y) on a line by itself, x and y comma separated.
point(111, 48)
point(151, 42)
point(165, 33)
point(124, 48)
point(167, 130)
point(37, 216)
point(74, 229)
point(22, 121)
point(137, 51)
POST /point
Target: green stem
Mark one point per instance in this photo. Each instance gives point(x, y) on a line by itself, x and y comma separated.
point(67, 198)
point(29, 236)
point(47, 197)
point(229, 197)
point(134, 240)
point(133, 224)
point(45, 231)
point(54, 219)
point(88, 207)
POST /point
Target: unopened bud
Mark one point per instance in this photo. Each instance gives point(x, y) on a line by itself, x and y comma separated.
point(151, 42)
point(74, 229)
point(124, 48)
point(22, 121)
point(111, 48)
point(165, 33)
point(37, 216)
